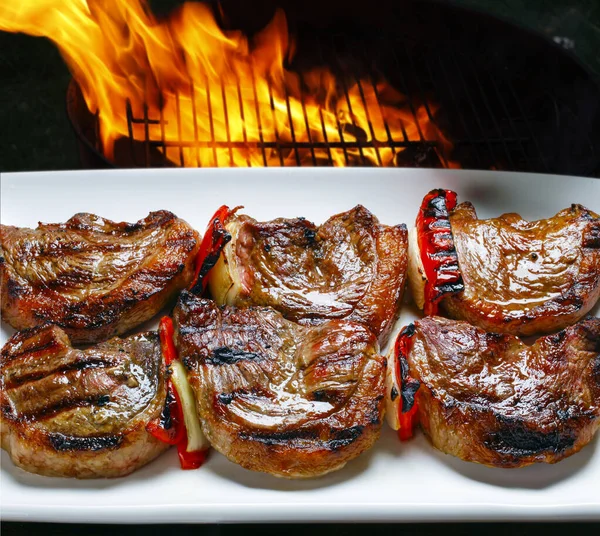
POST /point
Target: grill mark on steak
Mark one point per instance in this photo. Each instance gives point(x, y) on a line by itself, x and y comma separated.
point(93, 277)
point(229, 356)
point(54, 410)
point(80, 413)
point(92, 362)
point(291, 400)
point(489, 398)
point(64, 443)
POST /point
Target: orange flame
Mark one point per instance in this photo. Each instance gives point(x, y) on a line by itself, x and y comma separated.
point(202, 83)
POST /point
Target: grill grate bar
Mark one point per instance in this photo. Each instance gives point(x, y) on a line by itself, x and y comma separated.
point(425, 101)
point(299, 144)
point(454, 100)
point(275, 129)
point(241, 105)
point(408, 94)
point(195, 119)
point(292, 133)
point(308, 131)
point(211, 121)
point(488, 120)
point(226, 118)
point(258, 120)
point(469, 95)
point(511, 122)
point(178, 106)
point(523, 115)
point(491, 113)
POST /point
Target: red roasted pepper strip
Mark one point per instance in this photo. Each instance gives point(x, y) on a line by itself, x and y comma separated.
point(170, 427)
point(213, 242)
point(166, 331)
point(190, 460)
point(408, 415)
point(436, 246)
point(167, 428)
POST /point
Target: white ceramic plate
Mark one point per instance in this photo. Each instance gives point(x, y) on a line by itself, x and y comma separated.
point(393, 481)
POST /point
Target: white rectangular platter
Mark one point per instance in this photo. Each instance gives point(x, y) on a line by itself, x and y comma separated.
point(392, 482)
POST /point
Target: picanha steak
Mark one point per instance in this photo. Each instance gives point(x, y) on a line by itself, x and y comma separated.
point(93, 277)
point(490, 398)
point(80, 413)
point(351, 267)
point(275, 396)
point(515, 276)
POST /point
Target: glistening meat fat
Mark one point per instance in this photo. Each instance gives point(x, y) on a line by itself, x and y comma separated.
point(490, 398)
point(505, 274)
point(351, 267)
point(80, 413)
point(275, 396)
point(93, 277)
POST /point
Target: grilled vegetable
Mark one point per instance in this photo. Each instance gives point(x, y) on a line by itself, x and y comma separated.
point(181, 427)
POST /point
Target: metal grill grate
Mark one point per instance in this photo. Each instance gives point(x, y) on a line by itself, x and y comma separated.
point(495, 113)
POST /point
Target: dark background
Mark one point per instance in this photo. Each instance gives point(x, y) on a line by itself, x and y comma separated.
point(458, 529)
point(35, 135)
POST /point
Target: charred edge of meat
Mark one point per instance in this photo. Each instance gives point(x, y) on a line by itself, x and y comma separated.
point(338, 439)
point(408, 385)
point(63, 443)
point(436, 245)
point(230, 356)
point(515, 438)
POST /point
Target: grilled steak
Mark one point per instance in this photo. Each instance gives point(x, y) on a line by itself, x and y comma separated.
point(93, 277)
point(80, 413)
point(491, 399)
point(525, 277)
point(506, 274)
point(274, 396)
point(350, 267)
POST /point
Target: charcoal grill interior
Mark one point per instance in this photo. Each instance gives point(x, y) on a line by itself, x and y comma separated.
point(505, 98)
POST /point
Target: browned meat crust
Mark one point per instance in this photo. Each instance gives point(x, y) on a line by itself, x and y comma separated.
point(274, 396)
point(350, 267)
point(80, 413)
point(491, 399)
point(93, 277)
point(524, 277)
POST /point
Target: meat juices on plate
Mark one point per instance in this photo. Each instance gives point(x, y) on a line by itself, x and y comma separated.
point(80, 413)
point(518, 277)
point(490, 398)
point(93, 277)
point(351, 267)
point(275, 396)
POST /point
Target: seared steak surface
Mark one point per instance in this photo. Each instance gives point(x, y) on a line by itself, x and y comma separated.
point(489, 398)
point(350, 267)
point(524, 277)
point(93, 277)
point(274, 396)
point(80, 413)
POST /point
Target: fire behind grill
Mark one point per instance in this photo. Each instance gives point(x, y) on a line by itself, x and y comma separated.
point(506, 99)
